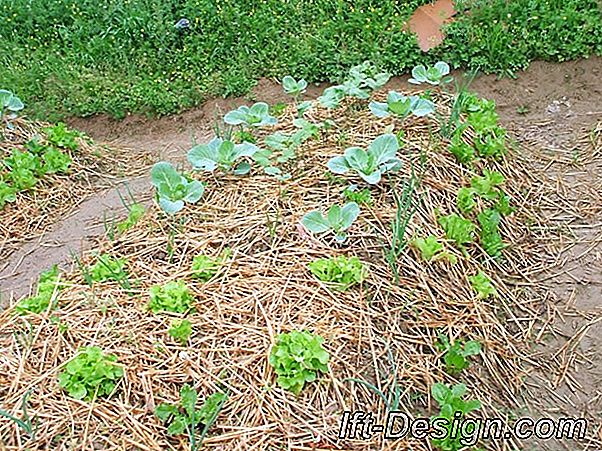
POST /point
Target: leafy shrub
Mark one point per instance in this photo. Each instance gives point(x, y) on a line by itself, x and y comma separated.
point(433, 75)
point(456, 355)
point(174, 296)
point(222, 154)
point(370, 164)
point(255, 116)
point(90, 374)
point(337, 220)
point(402, 106)
point(48, 284)
point(343, 272)
point(482, 285)
point(297, 358)
point(184, 417)
point(361, 81)
point(173, 188)
point(450, 401)
point(180, 330)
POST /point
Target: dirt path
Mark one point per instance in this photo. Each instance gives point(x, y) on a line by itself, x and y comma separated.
point(548, 107)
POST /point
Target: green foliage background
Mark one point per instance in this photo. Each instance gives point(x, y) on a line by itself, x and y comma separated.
point(80, 57)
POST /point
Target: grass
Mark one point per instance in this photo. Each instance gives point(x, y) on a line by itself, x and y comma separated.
point(77, 57)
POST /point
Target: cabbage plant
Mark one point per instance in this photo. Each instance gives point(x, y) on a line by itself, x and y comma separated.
point(361, 80)
point(294, 87)
point(337, 220)
point(370, 164)
point(433, 75)
point(222, 154)
point(9, 103)
point(173, 188)
point(402, 106)
point(257, 115)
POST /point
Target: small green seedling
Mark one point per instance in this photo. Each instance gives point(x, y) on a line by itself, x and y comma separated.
point(173, 188)
point(205, 267)
point(361, 81)
point(337, 220)
point(486, 187)
point(60, 136)
point(135, 213)
point(359, 196)
point(370, 164)
point(10, 104)
point(24, 422)
point(402, 106)
point(180, 330)
point(482, 285)
point(174, 296)
point(431, 249)
point(184, 417)
point(222, 154)
point(456, 355)
point(464, 152)
point(292, 87)
point(90, 374)
point(255, 116)
point(489, 233)
point(342, 272)
point(434, 75)
point(458, 229)
point(7, 194)
point(452, 407)
point(297, 358)
point(48, 286)
point(108, 268)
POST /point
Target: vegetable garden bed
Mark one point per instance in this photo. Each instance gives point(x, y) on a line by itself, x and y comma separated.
point(417, 290)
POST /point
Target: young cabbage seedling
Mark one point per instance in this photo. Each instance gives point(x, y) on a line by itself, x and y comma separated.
point(433, 75)
point(9, 104)
point(173, 188)
point(222, 154)
point(255, 116)
point(337, 220)
point(402, 106)
point(370, 164)
point(293, 87)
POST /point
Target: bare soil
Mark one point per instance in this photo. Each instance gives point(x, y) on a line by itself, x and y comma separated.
point(551, 109)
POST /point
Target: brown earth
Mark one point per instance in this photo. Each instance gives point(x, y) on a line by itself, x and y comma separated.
point(553, 111)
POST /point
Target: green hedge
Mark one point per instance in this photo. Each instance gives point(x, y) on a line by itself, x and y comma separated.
point(80, 57)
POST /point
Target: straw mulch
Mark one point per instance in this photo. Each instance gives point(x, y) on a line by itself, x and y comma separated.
point(381, 332)
point(93, 167)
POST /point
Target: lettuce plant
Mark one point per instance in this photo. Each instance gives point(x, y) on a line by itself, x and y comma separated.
point(370, 164)
point(60, 136)
point(294, 87)
point(9, 104)
point(458, 229)
point(361, 81)
point(402, 106)
point(91, 373)
point(342, 272)
point(48, 285)
point(297, 358)
point(8, 193)
point(173, 188)
point(174, 296)
point(108, 268)
point(205, 267)
point(337, 220)
point(221, 154)
point(489, 234)
point(433, 75)
point(456, 355)
point(482, 285)
point(431, 249)
point(180, 330)
point(255, 116)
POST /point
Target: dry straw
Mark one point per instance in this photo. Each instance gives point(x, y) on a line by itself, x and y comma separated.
point(381, 332)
